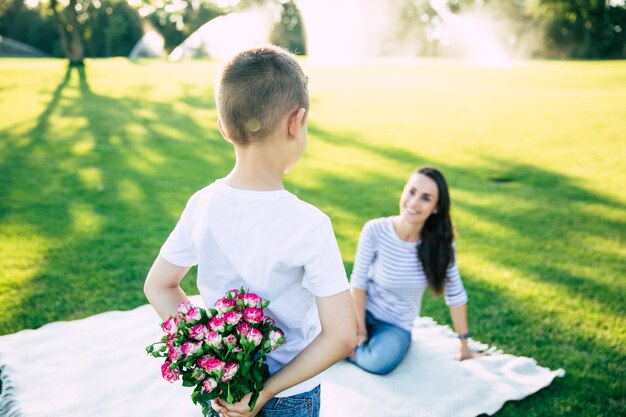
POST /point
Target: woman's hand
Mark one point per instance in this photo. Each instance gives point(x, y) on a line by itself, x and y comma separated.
point(238, 409)
point(361, 339)
point(466, 353)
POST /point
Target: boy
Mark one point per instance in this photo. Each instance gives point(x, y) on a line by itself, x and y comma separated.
point(247, 230)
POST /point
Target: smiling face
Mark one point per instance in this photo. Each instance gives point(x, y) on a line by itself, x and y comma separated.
point(419, 199)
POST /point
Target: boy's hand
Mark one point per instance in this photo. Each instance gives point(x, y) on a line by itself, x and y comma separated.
point(238, 409)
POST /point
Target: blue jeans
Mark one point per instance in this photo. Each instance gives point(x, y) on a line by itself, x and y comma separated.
point(306, 404)
point(385, 348)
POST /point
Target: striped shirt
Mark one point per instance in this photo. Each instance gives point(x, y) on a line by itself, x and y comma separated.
point(387, 267)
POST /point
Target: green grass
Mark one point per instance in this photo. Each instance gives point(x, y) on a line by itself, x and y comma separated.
point(96, 165)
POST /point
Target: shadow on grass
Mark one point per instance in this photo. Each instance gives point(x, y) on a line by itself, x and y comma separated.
point(106, 191)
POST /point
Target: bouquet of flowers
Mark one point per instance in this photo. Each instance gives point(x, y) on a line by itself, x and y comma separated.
point(219, 351)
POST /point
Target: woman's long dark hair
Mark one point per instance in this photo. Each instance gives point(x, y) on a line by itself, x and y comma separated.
point(435, 251)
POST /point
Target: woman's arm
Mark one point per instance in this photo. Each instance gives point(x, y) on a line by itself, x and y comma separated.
point(359, 297)
point(459, 319)
point(365, 255)
point(162, 287)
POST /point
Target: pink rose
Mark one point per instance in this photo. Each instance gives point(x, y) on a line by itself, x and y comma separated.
point(213, 339)
point(170, 326)
point(193, 315)
point(189, 348)
point(224, 304)
point(230, 370)
point(251, 299)
point(217, 324)
point(275, 338)
point(209, 384)
point(174, 353)
point(253, 315)
point(170, 375)
point(232, 317)
point(202, 360)
point(243, 328)
point(183, 308)
point(254, 336)
point(198, 332)
point(211, 365)
point(170, 343)
point(230, 340)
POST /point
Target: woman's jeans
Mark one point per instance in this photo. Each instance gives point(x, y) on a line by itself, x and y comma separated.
point(385, 348)
point(306, 404)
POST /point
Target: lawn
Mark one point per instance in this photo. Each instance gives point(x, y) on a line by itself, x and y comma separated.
point(96, 164)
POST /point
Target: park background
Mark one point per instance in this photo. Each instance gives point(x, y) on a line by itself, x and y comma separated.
point(98, 158)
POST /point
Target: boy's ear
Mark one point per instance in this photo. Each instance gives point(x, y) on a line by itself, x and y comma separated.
point(222, 131)
point(295, 122)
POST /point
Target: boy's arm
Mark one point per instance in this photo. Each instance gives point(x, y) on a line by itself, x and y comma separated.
point(335, 342)
point(162, 287)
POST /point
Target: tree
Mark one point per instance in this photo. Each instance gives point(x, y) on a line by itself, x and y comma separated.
point(29, 25)
point(582, 28)
point(289, 31)
point(176, 24)
point(70, 33)
point(113, 28)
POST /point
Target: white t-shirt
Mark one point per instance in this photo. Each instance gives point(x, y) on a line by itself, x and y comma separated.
point(270, 242)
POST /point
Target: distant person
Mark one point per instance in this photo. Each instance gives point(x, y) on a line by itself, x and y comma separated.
point(246, 230)
point(397, 258)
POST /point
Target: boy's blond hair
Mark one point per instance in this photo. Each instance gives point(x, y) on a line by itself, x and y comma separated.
point(256, 89)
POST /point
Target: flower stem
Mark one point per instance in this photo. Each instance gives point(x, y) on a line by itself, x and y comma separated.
point(229, 398)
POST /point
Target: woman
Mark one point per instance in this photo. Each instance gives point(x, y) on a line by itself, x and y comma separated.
point(397, 258)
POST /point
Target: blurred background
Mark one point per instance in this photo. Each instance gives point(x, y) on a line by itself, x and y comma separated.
point(493, 30)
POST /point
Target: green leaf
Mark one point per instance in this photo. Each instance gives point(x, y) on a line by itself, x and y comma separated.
point(253, 399)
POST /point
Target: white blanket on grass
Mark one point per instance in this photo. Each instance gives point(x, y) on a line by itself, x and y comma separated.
point(97, 367)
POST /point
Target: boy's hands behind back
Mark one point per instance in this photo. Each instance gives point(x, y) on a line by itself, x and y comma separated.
point(238, 409)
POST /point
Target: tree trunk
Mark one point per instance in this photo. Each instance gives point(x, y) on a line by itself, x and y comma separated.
point(73, 48)
point(77, 51)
